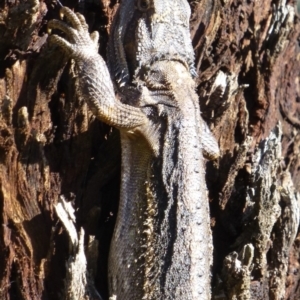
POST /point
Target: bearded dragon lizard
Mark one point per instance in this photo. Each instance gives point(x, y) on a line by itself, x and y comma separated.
point(162, 244)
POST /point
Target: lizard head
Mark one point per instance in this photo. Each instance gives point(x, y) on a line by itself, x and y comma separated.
point(146, 31)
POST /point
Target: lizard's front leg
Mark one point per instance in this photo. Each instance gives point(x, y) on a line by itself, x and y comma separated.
point(94, 79)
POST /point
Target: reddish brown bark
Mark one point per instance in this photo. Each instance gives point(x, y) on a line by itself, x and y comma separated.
point(247, 58)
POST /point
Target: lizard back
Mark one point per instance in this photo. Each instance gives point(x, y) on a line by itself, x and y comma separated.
point(161, 248)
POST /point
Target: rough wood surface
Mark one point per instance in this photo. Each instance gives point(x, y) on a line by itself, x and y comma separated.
point(247, 58)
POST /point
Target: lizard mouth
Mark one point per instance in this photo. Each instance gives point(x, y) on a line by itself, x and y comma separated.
point(176, 58)
point(167, 57)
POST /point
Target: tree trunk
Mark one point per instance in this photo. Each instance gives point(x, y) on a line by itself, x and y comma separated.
point(55, 155)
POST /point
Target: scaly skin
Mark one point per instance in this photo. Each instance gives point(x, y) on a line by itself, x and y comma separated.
point(161, 247)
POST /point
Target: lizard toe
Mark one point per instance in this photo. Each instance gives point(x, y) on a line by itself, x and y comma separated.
point(71, 17)
point(81, 18)
point(62, 43)
point(56, 24)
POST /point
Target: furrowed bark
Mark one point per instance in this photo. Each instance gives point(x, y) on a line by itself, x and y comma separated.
point(247, 59)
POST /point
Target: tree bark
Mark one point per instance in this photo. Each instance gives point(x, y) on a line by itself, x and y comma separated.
point(53, 148)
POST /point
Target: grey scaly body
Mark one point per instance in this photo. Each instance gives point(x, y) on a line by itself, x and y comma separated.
point(161, 247)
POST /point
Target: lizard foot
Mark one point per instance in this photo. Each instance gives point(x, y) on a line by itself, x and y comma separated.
point(78, 43)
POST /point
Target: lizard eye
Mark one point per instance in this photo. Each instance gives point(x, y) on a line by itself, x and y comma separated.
point(143, 5)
